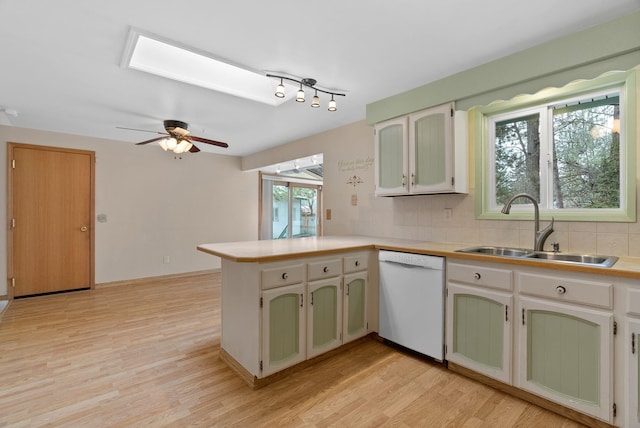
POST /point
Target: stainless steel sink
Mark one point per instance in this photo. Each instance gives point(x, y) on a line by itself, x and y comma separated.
point(586, 259)
point(497, 251)
point(583, 259)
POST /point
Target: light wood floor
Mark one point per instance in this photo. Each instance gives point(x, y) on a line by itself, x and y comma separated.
point(147, 354)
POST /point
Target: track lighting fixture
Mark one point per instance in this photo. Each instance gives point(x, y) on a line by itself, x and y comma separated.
point(310, 83)
point(280, 90)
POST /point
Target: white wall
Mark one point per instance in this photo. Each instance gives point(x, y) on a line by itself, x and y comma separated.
point(156, 205)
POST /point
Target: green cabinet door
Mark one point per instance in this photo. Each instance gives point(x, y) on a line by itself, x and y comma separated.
point(431, 150)
point(283, 328)
point(391, 157)
point(633, 367)
point(324, 316)
point(479, 336)
point(355, 306)
point(566, 355)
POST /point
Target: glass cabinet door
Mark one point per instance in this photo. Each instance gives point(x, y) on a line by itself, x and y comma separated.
point(391, 157)
point(355, 306)
point(283, 327)
point(324, 316)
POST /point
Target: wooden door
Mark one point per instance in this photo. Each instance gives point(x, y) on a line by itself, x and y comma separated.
point(50, 212)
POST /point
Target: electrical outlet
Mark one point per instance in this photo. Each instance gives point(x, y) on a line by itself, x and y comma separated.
point(448, 213)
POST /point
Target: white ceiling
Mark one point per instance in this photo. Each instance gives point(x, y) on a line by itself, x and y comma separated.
point(60, 60)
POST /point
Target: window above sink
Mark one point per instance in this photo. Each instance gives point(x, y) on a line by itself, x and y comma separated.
point(573, 148)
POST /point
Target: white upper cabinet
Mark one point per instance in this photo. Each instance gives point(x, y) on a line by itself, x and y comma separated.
point(424, 152)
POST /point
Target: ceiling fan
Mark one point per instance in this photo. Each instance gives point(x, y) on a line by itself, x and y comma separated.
point(177, 137)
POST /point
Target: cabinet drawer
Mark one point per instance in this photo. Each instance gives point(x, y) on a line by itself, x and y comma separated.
point(586, 292)
point(282, 275)
point(501, 279)
point(356, 262)
point(633, 302)
point(324, 269)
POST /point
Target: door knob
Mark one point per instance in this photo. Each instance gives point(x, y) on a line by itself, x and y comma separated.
point(84, 229)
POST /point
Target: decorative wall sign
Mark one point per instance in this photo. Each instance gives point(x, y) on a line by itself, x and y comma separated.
point(355, 180)
point(355, 164)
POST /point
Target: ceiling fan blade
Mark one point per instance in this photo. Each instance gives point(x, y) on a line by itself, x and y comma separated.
point(194, 149)
point(206, 141)
point(142, 130)
point(150, 141)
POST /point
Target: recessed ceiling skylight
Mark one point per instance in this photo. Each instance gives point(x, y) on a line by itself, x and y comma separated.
point(147, 53)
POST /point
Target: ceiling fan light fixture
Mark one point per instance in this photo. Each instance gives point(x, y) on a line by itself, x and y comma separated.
point(172, 143)
point(163, 144)
point(182, 147)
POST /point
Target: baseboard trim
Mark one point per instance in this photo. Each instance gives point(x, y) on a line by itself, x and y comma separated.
point(170, 277)
point(4, 305)
point(256, 383)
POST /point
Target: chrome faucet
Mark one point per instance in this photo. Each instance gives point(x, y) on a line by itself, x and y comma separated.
point(540, 235)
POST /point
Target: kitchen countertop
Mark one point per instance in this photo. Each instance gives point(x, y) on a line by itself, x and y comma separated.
point(283, 249)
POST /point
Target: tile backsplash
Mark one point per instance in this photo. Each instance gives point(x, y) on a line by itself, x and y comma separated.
point(451, 218)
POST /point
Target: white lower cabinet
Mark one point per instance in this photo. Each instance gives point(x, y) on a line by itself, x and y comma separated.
point(565, 344)
point(283, 328)
point(307, 307)
point(479, 318)
point(557, 344)
point(480, 333)
point(324, 316)
point(355, 323)
point(631, 358)
point(633, 371)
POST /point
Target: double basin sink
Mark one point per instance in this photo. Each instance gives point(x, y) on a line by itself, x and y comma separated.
point(520, 253)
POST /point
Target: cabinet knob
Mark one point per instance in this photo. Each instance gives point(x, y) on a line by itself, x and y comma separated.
point(285, 276)
point(325, 269)
point(560, 289)
point(357, 262)
point(477, 275)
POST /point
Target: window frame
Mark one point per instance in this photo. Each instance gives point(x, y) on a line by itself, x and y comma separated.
point(624, 83)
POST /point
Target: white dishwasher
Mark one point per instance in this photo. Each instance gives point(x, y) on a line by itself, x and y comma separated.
point(412, 301)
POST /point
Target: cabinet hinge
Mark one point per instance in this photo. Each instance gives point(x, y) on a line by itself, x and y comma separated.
point(615, 409)
point(260, 365)
point(633, 343)
point(615, 328)
point(261, 302)
point(522, 316)
point(453, 181)
point(506, 313)
point(452, 112)
point(13, 163)
point(367, 326)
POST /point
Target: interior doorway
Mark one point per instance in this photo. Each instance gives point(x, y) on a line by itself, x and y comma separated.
point(50, 208)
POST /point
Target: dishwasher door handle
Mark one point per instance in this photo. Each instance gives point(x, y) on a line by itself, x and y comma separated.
point(392, 262)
